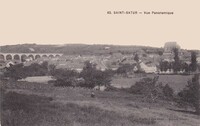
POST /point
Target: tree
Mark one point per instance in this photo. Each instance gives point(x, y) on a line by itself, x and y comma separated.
point(94, 77)
point(193, 65)
point(65, 77)
point(160, 52)
point(176, 65)
point(164, 65)
point(15, 72)
point(124, 69)
point(136, 58)
point(185, 67)
point(168, 92)
point(36, 69)
point(51, 69)
point(191, 94)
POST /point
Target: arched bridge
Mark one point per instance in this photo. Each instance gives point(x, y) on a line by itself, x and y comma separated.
point(23, 56)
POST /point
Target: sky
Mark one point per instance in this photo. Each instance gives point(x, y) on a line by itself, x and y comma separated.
point(87, 22)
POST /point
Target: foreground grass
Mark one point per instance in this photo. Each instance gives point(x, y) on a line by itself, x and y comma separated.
point(34, 104)
point(33, 110)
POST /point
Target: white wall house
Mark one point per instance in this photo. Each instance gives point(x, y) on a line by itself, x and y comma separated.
point(148, 69)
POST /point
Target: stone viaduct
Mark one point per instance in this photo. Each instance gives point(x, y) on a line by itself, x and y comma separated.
point(23, 56)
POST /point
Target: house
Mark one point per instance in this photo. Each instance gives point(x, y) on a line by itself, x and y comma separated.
point(10, 63)
point(198, 59)
point(148, 68)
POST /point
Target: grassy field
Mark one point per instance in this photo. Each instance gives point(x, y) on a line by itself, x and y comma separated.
point(35, 104)
point(177, 82)
point(38, 79)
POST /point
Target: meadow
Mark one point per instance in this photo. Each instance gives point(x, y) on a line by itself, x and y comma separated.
point(37, 104)
point(177, 82)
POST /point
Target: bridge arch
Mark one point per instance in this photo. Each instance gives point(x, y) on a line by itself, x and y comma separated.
point(37, 56)
point(8, 57)
point(23, 58)
point(51, 56)
point(57, 55)
point(31, 56)
point(2, 57)
point(16, 57)
point(44, 55)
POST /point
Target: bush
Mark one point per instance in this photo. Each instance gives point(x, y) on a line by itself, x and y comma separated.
point(151, 89)
point(168, 92)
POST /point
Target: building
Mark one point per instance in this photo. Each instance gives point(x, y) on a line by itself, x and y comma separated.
point(168, 54)
point(169, 46)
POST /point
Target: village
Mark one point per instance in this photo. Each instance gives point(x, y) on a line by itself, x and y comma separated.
point(149, 61)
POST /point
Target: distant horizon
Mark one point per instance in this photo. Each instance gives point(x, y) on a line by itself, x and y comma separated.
point(59, 44)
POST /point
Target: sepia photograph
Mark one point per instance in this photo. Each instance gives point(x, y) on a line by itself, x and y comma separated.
point(99, 63)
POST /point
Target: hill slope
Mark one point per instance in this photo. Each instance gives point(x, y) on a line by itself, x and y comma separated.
point(72, 49)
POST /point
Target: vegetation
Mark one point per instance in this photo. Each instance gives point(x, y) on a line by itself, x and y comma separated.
point(165, 65)
point(20, 71)
point(65, 77)
point(136, 58)
point(190, 95)
point(151, 89)
point(94, 77)
point(36, 69)
point(176, 65)
point(193, 65)
point(33, 110)
point(125, 69)
point(89, 77)
point(15, 72)
point(74, 106)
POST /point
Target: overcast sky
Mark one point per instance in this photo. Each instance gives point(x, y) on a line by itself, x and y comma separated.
point(86, 21)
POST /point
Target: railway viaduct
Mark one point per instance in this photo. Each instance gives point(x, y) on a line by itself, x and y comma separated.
point(23, 56)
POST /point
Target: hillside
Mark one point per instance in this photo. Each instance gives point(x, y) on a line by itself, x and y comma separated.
point(73, 49)
point(75, 107)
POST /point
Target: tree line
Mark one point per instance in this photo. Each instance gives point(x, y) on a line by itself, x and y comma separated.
point(89, 77)
point(178, 65)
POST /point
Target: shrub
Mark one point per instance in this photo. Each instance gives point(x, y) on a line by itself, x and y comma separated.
point(151, 89)
point(168, 92)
